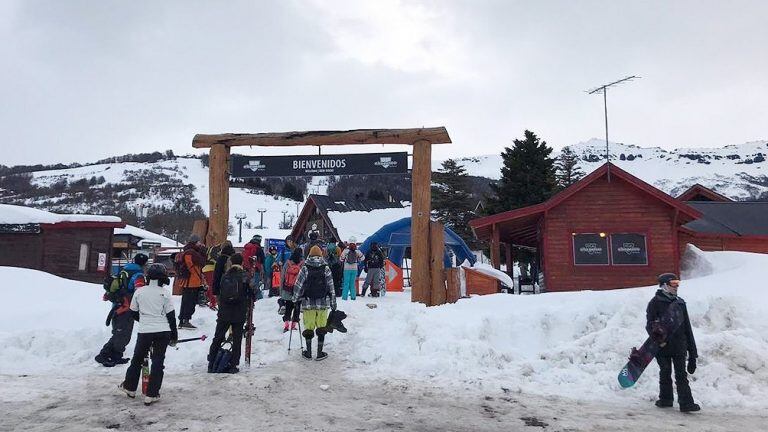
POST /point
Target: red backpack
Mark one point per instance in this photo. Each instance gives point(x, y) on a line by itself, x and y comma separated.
point(291, 273)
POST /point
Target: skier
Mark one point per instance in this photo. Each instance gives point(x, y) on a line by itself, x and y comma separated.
point(334, 263)
point(234, 291)
point(287, 287)
point(314, 287)
point(675, 346)
point(269, 260)
point(350, 257)
point(223, 264)
point(189, 267)
point(374, 271)
point(253, 260)
point(129, 279)
point(208, 271)
point(283, 256)
point(153, 308)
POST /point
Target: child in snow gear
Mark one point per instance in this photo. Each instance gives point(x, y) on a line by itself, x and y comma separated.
point(235, 297)
point(189, 279)
point(374, 269)
point(351, 257)
point(287, 288)
point(270, 260)
point(334, 263)
point(153, 308)
point(120, 289)
point(314, 288)
point(283, 256)
point(674, 347)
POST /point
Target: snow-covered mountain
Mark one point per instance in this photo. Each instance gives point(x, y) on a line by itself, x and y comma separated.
point(737, 171)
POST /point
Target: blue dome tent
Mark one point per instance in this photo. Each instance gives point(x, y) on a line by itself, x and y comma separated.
point(397, 236)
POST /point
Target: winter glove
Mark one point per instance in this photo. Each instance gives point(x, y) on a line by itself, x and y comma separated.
point(691, 365)
point(657, 332)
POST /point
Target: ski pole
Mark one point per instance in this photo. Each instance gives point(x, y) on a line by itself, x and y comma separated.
point(290, 338)
point(200, 338)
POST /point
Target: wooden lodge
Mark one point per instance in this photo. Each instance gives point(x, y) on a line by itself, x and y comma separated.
point(613, 230)
point(72, 246)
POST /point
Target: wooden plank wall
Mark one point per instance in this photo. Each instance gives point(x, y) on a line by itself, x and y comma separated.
point(61, 252)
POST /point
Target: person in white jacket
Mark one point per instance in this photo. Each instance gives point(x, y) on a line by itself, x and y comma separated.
point(153, 308)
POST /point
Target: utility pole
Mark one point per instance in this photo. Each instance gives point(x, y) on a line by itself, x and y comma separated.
point(261, 213)
point(240, 217)
point(284, 213)
point(604, 90)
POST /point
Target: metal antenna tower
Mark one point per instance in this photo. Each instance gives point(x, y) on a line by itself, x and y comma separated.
point(604, 90)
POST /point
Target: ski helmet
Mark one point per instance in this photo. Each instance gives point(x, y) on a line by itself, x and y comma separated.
point(157, 271)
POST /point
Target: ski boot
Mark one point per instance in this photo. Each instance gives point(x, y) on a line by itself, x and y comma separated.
point(320, 341)
point(307, 353)
point(286, 326)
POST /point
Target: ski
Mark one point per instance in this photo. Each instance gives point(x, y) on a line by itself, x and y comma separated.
point(248, 333)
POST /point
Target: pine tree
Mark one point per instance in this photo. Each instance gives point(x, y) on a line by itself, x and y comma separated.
point(527, 176)
point(452, 201)
point(568, 169)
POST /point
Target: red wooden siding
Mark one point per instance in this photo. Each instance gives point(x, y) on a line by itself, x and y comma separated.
point(480, 283)
point(724, 243)
point(615, 207)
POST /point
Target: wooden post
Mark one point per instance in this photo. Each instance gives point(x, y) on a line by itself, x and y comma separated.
point(495, 248)
point(200, 229)
point(421, 195)
point(218, 181)
point(508, 258)
point(437, 247)
point(453, 289)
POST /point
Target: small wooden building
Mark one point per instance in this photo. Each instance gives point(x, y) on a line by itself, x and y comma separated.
point(72, 246)
point(609, 230)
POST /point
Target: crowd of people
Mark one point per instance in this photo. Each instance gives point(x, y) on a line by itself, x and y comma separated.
point(306, 279)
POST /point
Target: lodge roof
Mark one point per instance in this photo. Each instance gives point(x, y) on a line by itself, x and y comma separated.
point(699, 192)
point(730, 218)
point(19, 216)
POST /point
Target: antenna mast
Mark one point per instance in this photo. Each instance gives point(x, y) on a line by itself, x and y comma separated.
point(604, 90)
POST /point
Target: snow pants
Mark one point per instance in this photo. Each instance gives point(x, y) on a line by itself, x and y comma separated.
point(291, 311)
point(375, 279)
point(159, 343)
point(350, 276)
point(315, 319)
point(122, 328)
point(684, 396)
point(211, 298)
point(188, 302)
point(221, 334)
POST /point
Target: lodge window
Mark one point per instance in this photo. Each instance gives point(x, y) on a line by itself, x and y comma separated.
point(590, 249)
point(84, 250)
point(602, 249)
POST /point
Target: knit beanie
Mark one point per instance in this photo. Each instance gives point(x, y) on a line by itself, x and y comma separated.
point(315, 251)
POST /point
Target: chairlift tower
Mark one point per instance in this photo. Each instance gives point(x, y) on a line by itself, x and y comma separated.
point(240, 217)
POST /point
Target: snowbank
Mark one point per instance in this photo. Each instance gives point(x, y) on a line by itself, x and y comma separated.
point(566, 344)
point(12, 214)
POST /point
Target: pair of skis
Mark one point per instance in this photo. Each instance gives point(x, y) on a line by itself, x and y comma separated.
point(145, 366)
point(249, 330)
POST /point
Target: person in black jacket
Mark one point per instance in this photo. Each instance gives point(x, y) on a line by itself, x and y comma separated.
point(222, 264)
point(374, 271)
point(674, 347)
point(233, 310)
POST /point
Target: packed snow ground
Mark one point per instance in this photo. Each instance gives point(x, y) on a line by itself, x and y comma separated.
point(482, 363)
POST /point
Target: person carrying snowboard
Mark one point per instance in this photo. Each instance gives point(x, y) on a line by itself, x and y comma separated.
point(350, 257)
point(121, 289)
point(374, 271)
point(153, 308)
point(314, 288)
point(287, 287)
point(674, 347)
point(234, 292)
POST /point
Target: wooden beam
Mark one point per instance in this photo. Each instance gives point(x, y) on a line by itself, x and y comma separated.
point(453, 284)
point(218, 193)
point(421, 194)
point(436, 265)
point(508, 257)
point(495, 248)
point(436, 135)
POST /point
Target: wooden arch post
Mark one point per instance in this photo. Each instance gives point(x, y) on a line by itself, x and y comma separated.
point(421, 139)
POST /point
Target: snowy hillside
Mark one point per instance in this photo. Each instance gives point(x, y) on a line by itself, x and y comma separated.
point(569, 345)
point(737, 171)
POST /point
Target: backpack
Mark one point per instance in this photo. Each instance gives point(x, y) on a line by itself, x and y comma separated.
point(232, 288)
point(314, 286)
point(118, 286)
point(351, 256)
point(291, 273)
point(180, 267)
point(213, 254)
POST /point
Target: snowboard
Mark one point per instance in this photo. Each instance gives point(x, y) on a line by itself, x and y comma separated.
point(640, 358)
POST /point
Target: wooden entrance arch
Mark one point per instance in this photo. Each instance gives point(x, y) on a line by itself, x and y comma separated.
point(424, 266)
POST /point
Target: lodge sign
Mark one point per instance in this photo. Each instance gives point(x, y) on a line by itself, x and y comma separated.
point(319, 165)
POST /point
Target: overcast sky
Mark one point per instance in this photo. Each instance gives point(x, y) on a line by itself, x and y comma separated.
point(84, 80)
